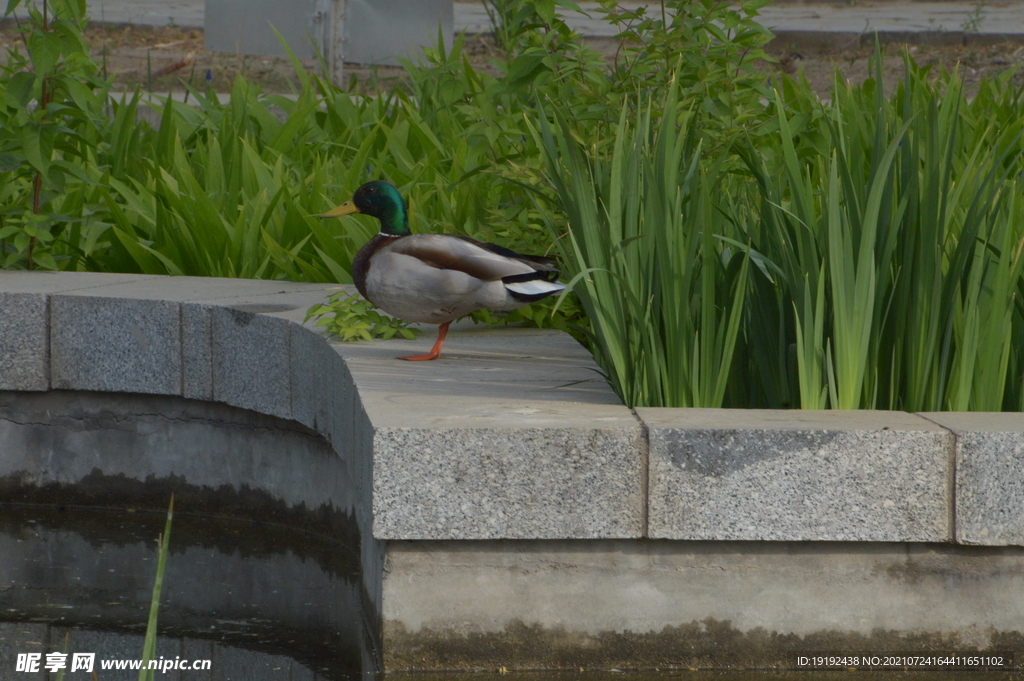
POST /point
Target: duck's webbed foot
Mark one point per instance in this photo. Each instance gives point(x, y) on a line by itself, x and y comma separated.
point(435, 351)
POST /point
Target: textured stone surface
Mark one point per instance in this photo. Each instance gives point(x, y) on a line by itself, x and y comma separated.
point(340, 428)
point(540, 365)
point(312, 371)
point(178, 289)
point(466, 468)
point(251, 361)
point(115, 345)
point(24, 342)
point(86, 283)
point(798, 475)
point(989, 476)
point(508, 435)
point(478, 483)
point(196, 351)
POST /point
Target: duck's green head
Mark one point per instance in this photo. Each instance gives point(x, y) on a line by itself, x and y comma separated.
point(381, 200)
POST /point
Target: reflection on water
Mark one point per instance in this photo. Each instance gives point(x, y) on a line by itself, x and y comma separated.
point(260, 601)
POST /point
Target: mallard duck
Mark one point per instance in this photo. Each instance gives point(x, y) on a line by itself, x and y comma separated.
point(437, 278)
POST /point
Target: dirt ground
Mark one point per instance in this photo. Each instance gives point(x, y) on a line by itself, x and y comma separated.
point(163, 59)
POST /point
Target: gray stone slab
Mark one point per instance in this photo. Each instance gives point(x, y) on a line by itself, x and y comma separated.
point(342, 399)
point(989, 476)
point(470, 468)
point(728, 604)
point(311, 373)
point(247, 26)
point(196, 351)
point(24, 342)
point(115, 344)
point(285, 299)
point(508, 435)
point(16, 281)
point(537, 364)
point(284, 304)
point(221, 290)
point(798, 475)
point(251, 361)
point(387, 31)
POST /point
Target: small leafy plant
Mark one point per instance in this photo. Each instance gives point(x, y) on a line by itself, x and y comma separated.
point(51, 105)
point(709, 49)
point(350, 317)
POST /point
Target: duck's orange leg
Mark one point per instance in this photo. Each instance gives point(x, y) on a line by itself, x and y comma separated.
point(435, 351)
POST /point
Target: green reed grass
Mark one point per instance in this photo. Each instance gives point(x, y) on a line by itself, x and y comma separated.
point(149, 646)
point(663, 295)
point(885, 231)
point(898, 243)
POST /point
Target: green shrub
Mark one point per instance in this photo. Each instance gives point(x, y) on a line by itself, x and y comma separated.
point(347, 317)
point(51, 115)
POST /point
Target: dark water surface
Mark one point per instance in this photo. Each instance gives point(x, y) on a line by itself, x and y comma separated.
point(260, 601)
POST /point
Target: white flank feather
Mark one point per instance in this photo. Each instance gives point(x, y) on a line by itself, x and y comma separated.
point(534, 287)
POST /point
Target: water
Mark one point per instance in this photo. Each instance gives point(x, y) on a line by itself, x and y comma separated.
point(261, 601)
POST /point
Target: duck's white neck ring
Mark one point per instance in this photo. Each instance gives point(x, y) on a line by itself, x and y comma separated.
point(390, 236)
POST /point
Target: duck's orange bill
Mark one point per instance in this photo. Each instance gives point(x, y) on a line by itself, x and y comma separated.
point(347, 208)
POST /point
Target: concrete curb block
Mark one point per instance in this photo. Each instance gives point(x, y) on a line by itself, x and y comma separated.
point(115, 345)
point(798, 476)
point(24, 342)
point(989, 476)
